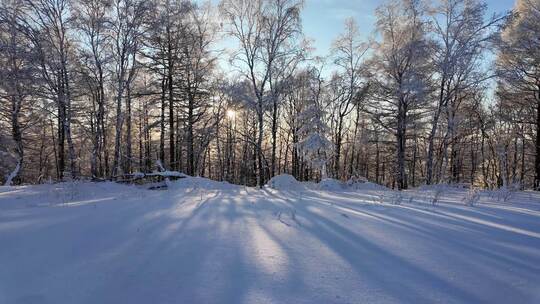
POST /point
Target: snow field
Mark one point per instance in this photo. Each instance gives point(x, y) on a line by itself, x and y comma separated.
point(202, 241)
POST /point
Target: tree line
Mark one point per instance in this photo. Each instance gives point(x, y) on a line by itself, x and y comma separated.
point(440, 92)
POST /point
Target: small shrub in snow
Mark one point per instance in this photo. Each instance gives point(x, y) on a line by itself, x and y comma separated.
point(72, 190)
point(504, 194)
point(361, 183)
point(357, 180)
point(472, 197)
point(381, 197)
point(436, 195)
point(64, 193)
point(397, 198)
point(433, 193)
point(330, 184)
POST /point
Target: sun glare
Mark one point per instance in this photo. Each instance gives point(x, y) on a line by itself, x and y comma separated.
point(231, 114)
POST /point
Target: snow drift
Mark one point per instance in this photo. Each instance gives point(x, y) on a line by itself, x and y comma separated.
point(285, 182)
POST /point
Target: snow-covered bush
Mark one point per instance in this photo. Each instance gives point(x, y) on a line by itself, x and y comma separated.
point(361, 183)
point(70, 187)
point(314, 144)
point(437, 193)
point(472, 197)
point(9, 165)
point(504, 194)
point(285, 182)
point(357, 179)
point(72, 190)
point(330, 184)
point(410, 198)
point(433, 194)
point(380, 197)
point(63, 193)
point(397, 198)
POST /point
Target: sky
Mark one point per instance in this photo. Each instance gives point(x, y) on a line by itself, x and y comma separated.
point(323, 19)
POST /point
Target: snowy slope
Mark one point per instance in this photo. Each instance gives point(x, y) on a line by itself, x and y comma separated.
point(209, 242)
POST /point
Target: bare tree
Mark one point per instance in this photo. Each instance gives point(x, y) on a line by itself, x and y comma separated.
point(462, 36)
point(349, 51)
point(400, 73)
point(47, 24)
point(92, 22)
point(197, 65)
point(126, 30)
point(519, 66)
point(16, 76)
point(262, 28)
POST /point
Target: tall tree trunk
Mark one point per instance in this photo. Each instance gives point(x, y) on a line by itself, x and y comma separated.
point(294, 162)
point(483, 157)
point(515, 158)
point(431, 148)
point(94, 127)
point(400, 176)
point(415, 156)
point(71, 147)
point(17, 137)
point(141, 140)
point(433, 133)
point(522, 172)
point(353, 147)
point(260, 169)
point(377, 159)
point(172, 155)
point(118, 134)
point(178, 142)
point(473, 160)
point(128, 160)
point(162, 123)
point(274, 136)
point(66, 96)
point(61, 140)
point(100, 128)
point(147, 142)
point(454, 162)
point(537, 144)
point(104, 144)
point(190, 139)
point(339, 138)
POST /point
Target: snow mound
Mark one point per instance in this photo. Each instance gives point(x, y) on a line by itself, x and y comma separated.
point(201, 183)
point(285, 182)
point(168, 174)
point(443, 187)
point(289, 183)
point(66, 194)
point(330, 184)
point(363, 184)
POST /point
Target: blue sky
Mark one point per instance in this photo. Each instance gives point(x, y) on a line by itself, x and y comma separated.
point(323, 19)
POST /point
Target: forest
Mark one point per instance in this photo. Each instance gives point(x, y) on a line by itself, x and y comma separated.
point(442, 92)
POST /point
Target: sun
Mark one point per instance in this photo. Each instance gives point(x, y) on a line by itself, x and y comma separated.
point(231, 114)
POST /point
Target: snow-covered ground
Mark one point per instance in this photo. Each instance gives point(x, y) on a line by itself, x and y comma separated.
point(208, 242)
